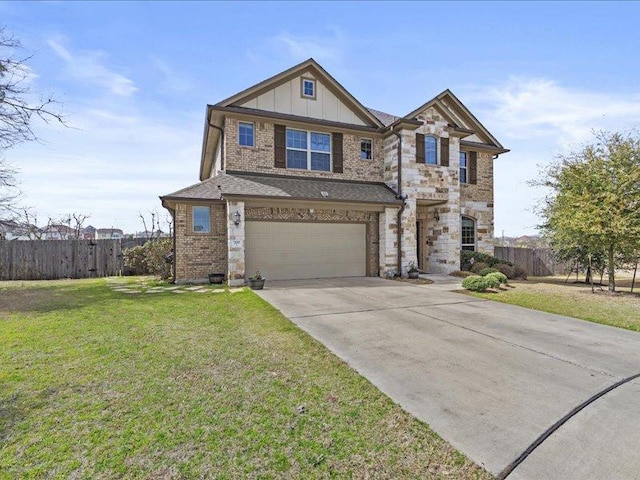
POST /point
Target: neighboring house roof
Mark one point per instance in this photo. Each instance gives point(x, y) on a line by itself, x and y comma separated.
point(109, 230)
point(237, 184)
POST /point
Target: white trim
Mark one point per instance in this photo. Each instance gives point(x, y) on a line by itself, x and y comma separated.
point(253, 134)
point(193, 219)
point(466, 167)
point(371, 142)
point(313, 88)
point(309, 151)
point(426, 151)
point(475, 233)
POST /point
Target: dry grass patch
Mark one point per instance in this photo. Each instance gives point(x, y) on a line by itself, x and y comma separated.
point(100, 384)
point(551, 294)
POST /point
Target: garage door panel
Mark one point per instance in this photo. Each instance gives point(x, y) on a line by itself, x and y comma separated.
point(286, 250)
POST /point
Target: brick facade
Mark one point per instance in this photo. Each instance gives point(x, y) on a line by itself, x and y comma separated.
point(260, 159)
point(199, 254)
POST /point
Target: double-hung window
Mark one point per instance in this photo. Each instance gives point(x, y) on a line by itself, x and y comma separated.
point(468, 234)
point(308, 150)
point(245, 134)
point(463, 167)
point(431, 150)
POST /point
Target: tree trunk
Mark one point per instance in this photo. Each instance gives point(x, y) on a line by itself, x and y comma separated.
point(635, 270)
point(590, 275)
point(612, 275)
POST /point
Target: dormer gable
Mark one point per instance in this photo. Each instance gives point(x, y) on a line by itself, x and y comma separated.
point(459, 117)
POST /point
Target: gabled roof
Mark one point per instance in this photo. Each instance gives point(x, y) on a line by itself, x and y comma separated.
point(255, 185)
point(321, 75)
point(212, 124)
point(461, 113)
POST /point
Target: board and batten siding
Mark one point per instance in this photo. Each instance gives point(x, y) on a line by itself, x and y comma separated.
point(286, 99)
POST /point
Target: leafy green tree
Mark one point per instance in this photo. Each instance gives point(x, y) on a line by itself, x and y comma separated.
point(594, 204)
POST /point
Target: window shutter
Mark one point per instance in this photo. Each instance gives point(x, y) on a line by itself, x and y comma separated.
point(420, 148)
point(280, 146)
point(336, 148)
point(473, 167)
point(444, 152)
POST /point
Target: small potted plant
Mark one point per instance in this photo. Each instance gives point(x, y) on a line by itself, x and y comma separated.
point(256, 281)
point(412, 270)
point(216, 278)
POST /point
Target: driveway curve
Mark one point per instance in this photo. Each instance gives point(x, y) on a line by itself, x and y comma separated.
point(488, 377)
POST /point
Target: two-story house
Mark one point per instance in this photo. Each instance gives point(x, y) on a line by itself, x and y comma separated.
point(299, 180)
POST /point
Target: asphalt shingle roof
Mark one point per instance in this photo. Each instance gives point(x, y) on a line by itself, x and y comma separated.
point(386, 118)
point(279, 186)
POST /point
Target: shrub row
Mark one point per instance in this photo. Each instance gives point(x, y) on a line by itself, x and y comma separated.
point(477, 283)
point(482, 263)
point(150, 258)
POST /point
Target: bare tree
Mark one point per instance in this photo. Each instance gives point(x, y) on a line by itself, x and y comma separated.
point(151, 228)
point(78, 224)
point(17, 110)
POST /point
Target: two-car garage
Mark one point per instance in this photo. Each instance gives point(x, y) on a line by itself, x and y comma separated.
point(297, 250)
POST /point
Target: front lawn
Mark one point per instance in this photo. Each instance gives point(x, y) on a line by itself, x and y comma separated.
point(97, 383)
point(552, 294)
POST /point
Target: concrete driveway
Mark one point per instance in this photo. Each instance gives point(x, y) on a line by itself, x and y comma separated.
point(490, 378)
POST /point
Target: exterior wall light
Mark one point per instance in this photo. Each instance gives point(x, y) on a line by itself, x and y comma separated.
point(437, 215)
point(236, 218)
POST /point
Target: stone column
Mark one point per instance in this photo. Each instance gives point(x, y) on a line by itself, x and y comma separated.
point(388, 242)
point(409, 236)
point(235, 245)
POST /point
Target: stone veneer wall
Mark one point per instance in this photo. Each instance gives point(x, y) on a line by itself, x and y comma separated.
point(327, 215)
point(199, 254)
point(477, 202)
point(440, 234)
point(260, 158)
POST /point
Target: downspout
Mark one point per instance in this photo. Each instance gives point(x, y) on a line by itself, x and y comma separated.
point(221, 144)
point(401, 209)
point(173, 263)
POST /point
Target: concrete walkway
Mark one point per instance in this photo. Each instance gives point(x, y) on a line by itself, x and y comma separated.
point(488, 377)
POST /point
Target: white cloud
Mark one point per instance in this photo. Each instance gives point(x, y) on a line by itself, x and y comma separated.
point(538, 107)
point(90, 66)
point(171, 80)
point(330, 48)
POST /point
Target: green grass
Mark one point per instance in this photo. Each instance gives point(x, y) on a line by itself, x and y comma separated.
point(100, 384)
point(553, 295)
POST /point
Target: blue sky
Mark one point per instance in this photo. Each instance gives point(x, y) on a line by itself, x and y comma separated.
point(134, 80)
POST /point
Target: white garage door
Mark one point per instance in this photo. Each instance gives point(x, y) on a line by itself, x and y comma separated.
point(284, 250)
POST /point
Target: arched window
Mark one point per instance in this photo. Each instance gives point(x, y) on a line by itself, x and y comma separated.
point(431, 150)
point(468, 234)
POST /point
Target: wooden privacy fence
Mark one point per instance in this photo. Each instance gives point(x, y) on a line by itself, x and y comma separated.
point(538, 262)
point(51, 259)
